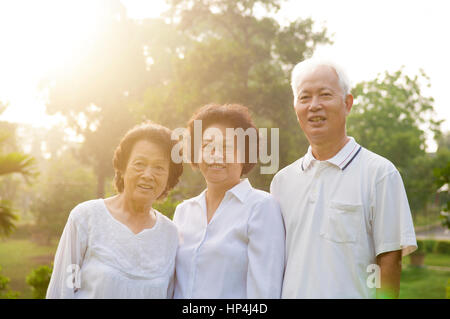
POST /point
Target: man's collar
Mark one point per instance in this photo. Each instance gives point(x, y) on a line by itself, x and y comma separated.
point(342, 159)
point(240, 191)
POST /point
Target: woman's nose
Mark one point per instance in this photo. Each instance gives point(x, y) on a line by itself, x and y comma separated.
point(217, 156)
point(148, 173)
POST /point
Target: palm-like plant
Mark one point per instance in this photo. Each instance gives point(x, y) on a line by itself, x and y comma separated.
point(16, 162)
point(10, 163)
point(13, 163)
point(6, 218)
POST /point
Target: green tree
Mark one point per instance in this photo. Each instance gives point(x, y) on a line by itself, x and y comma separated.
point(11, 162)
point(388, 118)
point(64, 183)
point(444, 141)
point(233, 51)
point(441, 173)
point(95, 90)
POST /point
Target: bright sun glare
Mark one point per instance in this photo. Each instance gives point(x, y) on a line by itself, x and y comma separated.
point(38, 37)
point(43, 36)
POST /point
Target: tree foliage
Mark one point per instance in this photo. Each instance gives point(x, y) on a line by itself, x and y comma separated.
point(231, 52)
point(11, 162)
point(39, 280)
point(64, 184)
point(5, 291)
point(93, 92)
point(441, 173)
point(389, 118)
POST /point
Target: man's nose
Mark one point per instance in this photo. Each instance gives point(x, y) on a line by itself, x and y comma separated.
point(315, 103)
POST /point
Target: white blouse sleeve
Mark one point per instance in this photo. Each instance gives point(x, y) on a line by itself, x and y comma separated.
point(266, 251)
point(65, 279)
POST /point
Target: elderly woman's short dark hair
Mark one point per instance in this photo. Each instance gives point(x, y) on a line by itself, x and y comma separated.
point(147, 131)
point(233, 116)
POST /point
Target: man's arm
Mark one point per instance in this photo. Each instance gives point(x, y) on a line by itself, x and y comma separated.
point(390, 267)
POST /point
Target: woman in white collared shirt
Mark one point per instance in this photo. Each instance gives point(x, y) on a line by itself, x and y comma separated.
point(232, 237)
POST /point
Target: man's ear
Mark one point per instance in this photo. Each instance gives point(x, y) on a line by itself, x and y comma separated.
point(348, 103)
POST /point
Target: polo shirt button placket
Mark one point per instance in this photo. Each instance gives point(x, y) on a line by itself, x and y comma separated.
point(313, 193)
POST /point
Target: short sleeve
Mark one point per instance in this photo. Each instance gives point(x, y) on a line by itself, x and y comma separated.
point(392, 223)
point(266, 251)
point(65, 279)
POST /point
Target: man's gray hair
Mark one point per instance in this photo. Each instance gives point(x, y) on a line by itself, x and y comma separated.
point(308, 64)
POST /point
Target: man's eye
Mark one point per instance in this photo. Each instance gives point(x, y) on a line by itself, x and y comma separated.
point(325, 94)
point(304, 98)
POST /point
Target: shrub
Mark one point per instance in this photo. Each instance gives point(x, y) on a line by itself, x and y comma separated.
point(429, 245)
point(442, 247)
point(420, 247)
point(39, 279)
point(167, 207)
point(5, 292)
point(433, 246)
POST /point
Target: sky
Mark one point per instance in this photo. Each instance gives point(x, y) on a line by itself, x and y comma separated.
point(369, 37)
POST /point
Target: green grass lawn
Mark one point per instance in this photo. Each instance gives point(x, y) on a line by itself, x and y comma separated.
point(422, 283)
point(19, 257)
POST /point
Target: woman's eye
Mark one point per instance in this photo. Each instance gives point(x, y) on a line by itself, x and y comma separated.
point(139, 165)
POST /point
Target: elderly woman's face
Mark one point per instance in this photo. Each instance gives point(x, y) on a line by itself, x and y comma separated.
point(217, 167)
point(147, 171)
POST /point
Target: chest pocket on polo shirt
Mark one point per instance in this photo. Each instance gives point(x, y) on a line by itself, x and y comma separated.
point(342, 223)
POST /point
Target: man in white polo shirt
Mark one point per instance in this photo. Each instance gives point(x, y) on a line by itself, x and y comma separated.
point(345, 209)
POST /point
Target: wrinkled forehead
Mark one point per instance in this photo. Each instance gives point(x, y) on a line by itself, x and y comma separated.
point(149, 149)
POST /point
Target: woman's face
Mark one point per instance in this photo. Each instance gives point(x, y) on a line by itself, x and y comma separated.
point(216, 166)
point(147, 172)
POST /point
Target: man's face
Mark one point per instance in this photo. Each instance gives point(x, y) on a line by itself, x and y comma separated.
point(321, 107)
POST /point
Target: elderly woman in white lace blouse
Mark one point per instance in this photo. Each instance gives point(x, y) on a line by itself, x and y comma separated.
point(121, 247)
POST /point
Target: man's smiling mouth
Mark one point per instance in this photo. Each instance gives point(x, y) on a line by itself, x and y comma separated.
point(317, 119)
